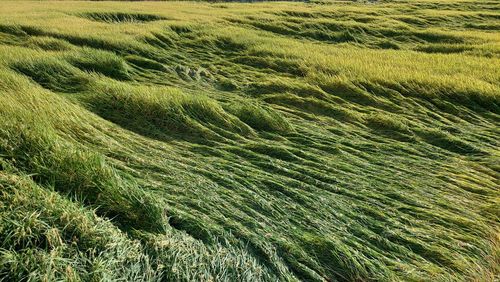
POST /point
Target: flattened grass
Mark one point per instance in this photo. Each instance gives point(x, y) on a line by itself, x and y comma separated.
point(261, 142)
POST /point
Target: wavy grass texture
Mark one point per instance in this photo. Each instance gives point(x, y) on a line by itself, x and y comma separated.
point(272, 141)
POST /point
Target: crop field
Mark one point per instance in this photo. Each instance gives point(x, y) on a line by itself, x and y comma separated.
point(269, 141)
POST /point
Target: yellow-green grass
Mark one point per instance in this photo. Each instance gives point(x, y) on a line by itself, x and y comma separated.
point(191, 141)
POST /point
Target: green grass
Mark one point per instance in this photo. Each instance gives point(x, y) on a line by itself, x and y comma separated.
point(280, 141)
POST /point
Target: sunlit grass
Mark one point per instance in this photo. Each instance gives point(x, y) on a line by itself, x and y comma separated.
point(183, 141)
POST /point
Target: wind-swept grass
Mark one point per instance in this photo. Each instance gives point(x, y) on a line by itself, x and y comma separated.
point(103, 62)
point(161, 112)
point(53, 74)
point(327, 141)
point(119, 17)
point(260, 117)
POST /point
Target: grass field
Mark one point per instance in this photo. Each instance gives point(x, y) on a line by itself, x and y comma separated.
point(273, 141)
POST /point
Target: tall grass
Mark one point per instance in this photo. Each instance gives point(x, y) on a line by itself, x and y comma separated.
point(337, 141)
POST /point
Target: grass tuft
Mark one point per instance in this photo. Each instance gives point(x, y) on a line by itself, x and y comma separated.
point(49, 44)
point(161, 113)
point(260, 117)
point(121, 17)
point(53, 74)
point(104, 62)
point(81, 174)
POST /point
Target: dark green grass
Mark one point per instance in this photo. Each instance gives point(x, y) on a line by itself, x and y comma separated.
point(121, 17)
point(103, 62)
point(53, 74)
point(162, 112)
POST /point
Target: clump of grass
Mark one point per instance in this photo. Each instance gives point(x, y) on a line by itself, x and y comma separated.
point(439, 37)
point(348, 89)
point(389, 125)
point(278, 152)
point(182, 28)
point(12, 29)
point(161, 113)
point(483, 97)
point(145, 63)
point(121, 17)
point(285, 85)
point(227, 84)
point(49, 43)
point(386, 122)
point(162, 40)
point(228, 44)
point(447, 141)
point(314, 106)
point(61, 239)
point(386, 44)
point(222, 259)
point(347, 266)
point(53, 74)
point(276, 64)
point(80, 173)
point(260, 117)
point(104, 62)
point(444, 48)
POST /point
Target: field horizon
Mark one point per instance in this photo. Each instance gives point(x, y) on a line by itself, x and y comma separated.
point(269, 141)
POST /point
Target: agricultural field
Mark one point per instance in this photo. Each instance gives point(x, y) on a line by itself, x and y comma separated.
point(269, 141)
